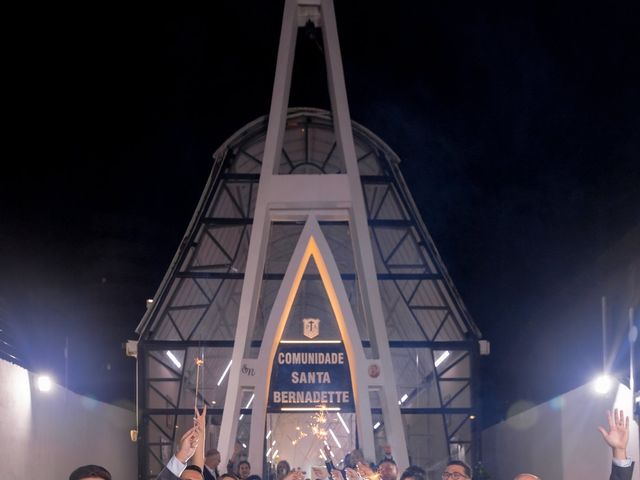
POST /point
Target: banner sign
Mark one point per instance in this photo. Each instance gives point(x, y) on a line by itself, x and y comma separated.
point(311, 375)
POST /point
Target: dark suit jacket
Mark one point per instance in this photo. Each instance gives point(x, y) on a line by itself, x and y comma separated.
point(166, 474)
point(621, 473)
point(208, 476)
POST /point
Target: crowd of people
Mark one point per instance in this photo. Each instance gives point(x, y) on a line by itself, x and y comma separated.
point(204, 465)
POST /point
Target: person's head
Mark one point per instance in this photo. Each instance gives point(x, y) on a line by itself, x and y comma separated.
point(244, 469)
point(414, 472)
point(212, 458)
point(356, 457)
point(456, 470)
point(192, 472)
point(526, 476)
point(283, 469)
point(388, 469)
point(228, 476)
point(90, 472)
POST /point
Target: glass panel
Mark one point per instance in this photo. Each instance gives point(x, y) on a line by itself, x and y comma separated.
point(379, 432)
point(426, 442)
point(299, 438)
point(415, 382)
point(309, 147)
point(213, 371)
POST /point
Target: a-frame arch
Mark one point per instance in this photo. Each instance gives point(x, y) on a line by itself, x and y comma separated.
point(313, 244)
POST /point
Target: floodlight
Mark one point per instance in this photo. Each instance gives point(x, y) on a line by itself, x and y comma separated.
point(44, 383)
point(602, 384)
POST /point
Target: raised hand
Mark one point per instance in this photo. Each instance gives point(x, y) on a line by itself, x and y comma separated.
point(188, 444)
point(327, 452)
point(294, 475)
point(365, 471)
point(352, 474)
point(618, 435)
point(200, 418)
point(336, 474)
point(200, 421)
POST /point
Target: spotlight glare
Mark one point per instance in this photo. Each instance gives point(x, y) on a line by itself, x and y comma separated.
point(375, 427)
point(602, 384)
point(44, 383)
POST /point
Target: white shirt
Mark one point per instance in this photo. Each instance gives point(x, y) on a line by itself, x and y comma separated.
point(211, 471)
point(175, 466)
point(622, 463)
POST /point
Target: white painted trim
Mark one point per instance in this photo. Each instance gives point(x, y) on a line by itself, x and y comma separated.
point(311, 243)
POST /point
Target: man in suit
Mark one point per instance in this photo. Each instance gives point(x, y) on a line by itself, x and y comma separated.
point(178, 463)
point(90, 472)
point(211, 462)
point(617, 438)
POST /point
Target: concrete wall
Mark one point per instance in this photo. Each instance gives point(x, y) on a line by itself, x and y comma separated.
point(558, 439)
point(47, 435)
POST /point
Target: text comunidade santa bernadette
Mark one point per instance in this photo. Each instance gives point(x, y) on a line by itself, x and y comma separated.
point(311, 378)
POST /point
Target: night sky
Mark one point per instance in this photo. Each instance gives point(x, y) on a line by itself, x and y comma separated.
point(518, 126)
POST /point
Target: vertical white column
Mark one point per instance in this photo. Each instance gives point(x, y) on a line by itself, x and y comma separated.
point(362, 249)
point(257, 247)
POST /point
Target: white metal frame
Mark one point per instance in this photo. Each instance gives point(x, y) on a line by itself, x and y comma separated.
point(313, 198)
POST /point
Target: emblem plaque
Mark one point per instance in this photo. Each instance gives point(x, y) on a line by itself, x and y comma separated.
point(311, 327)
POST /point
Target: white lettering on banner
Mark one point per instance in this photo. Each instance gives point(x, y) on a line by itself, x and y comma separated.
point(310, 377)
point(311, 358)
point(310, 397)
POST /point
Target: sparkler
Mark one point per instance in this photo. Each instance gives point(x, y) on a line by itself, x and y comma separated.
point(319, 424)
point(199, 363)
